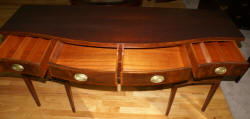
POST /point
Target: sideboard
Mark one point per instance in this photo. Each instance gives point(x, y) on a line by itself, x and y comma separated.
point(119, 46)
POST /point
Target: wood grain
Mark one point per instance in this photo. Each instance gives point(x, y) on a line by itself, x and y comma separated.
point(126, 45)
point(32, 90)
point(210, 95)
point(32, 53)
point(108, 59)
point(94, 77)
point(99, 64)
point(158, 59)
point(206, 56)
point(143, 78)
point(122, 25)
point(139, 65)
point(171, 99)
point(101, 59)
point(70, 96)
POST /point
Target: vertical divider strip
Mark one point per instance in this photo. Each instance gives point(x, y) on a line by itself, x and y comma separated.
point(185, 57)
point(205, 52)
point(119, 66)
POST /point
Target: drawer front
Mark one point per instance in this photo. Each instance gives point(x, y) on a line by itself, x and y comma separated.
point(20, 67)
point(83, 76)
point(155, 78)
point(221, 69)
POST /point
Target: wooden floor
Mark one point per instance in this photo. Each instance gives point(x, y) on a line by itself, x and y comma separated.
point(17, 103)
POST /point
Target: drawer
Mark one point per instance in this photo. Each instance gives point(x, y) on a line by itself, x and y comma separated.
point(156, 78)
point(213, 59)
point(25, 55)
point(143, 67)
point(70, 61)
point(83, 76)
point(20, 67)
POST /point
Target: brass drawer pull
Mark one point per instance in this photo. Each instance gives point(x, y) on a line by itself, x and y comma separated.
point(157, 79)
point(220, 70)
point(80, 77)
point(17, 67)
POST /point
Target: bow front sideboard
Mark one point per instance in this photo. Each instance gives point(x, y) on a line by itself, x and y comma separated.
point(119, 46)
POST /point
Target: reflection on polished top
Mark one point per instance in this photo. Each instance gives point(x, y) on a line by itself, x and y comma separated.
point(121, 24)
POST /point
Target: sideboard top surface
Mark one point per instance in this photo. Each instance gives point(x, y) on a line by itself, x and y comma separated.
point(121, 24)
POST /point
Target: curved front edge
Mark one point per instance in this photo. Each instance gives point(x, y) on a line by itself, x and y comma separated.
point(85, 65)
point(145, 78)
point(93, 77)
point(125, 44)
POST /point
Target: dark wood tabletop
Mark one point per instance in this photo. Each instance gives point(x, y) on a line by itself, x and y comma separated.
point(121, 24)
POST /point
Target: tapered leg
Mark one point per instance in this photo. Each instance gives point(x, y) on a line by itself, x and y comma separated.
point(210, 95)
point(47, 76)
point(171, 99)
point(69, 93)
point(31, 89)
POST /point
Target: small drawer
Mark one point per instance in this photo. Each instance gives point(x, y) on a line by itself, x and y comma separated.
point(83, 76)
point(25, 55)
point(143, 67)
point(85, 65)
point(213, 59)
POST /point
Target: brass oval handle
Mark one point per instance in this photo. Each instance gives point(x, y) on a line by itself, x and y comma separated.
point(80, 77)
point(17, 67)
point(157, 79)
point(220, 70)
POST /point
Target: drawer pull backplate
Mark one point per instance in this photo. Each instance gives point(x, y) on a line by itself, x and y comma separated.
point(157, 79)
point(80, 77)
point(220, 70)
point(17, 67)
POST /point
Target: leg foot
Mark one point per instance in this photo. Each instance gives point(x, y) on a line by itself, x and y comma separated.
point(171, 99)
point(69, 93)
point(32, 90)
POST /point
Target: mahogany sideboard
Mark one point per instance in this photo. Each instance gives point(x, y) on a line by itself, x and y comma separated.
point(119, 46)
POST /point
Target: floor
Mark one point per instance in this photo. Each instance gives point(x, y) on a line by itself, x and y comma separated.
point(93, 103)
point(16, 102)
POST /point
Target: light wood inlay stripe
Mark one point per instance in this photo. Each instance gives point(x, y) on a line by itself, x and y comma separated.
point(29, 48)
point(120, 51)
point(205, 53)
point(56, 51)
point(184, 54)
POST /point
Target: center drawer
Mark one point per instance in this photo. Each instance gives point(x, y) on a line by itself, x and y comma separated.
point(85, 65)
point(156, 66)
